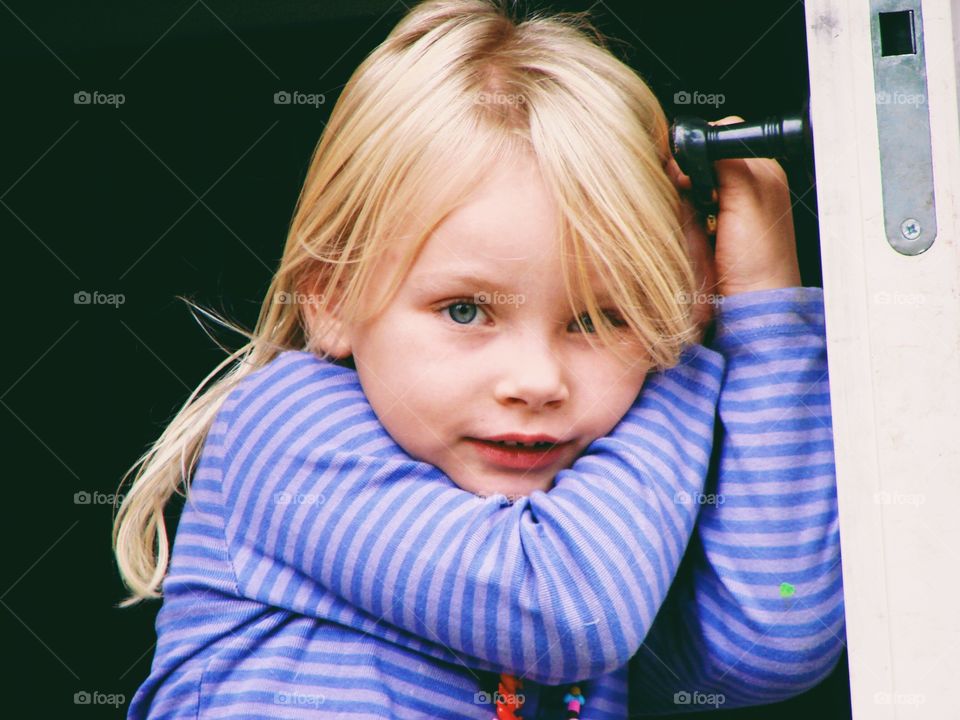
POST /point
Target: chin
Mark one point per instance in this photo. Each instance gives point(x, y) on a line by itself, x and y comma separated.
point(518, 487)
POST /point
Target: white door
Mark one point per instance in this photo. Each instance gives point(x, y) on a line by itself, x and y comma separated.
point(893, 339)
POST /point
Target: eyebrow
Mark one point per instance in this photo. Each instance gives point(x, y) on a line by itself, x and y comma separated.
point(436, 282)
point(442, 279)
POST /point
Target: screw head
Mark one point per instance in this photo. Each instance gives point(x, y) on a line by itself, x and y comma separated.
point(910, 228)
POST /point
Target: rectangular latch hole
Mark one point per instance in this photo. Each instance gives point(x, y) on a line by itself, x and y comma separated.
point(896, 33)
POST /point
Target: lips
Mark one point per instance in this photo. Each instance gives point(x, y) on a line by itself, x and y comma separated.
point(518, 439)
point(532, 453)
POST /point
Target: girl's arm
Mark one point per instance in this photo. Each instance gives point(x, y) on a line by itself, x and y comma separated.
point(326, 516)
point(756, 613)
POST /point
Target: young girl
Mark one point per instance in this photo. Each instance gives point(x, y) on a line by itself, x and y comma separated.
point(488, 251)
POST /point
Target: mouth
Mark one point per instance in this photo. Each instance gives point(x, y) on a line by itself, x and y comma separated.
point(514, 454)
point(520, 440)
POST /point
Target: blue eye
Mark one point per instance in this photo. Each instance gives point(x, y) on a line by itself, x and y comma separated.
point(464, 312)
point(461, 312)
point(587, 321)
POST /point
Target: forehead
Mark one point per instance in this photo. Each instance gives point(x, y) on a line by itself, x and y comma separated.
point(508, 216)
point(505, 233)
point(497, 262)
point(521, 274)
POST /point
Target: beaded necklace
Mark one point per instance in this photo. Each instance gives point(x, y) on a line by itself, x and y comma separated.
point(509, 699)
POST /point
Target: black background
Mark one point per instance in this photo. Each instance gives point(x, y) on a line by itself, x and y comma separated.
point(97, 198)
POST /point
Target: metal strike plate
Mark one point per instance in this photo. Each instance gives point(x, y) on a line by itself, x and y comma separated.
point(903, 125)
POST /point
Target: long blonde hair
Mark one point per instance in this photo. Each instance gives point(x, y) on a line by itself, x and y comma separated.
point(456, 88)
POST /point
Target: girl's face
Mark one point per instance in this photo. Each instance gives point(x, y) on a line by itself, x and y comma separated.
point(479, 342)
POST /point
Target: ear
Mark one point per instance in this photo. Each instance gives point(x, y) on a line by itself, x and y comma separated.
point(325, 329)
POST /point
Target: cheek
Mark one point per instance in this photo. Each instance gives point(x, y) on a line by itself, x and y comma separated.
point(403, 404)
point(417, 379)
point(610, 387)
point(421, 422)
point(611, 407)
point(412, 390)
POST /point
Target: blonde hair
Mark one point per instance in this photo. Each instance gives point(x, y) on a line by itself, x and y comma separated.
point(457, 88)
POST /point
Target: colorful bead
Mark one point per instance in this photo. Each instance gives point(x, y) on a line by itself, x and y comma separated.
point(575, 702)
point(509, 700)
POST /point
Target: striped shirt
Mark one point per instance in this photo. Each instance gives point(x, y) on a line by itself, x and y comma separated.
point(687, 560)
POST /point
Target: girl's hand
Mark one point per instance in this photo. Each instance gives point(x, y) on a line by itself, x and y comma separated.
point(756, 248)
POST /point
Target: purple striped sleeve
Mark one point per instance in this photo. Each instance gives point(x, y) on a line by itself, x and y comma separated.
point(756, 613)
point(327, 517)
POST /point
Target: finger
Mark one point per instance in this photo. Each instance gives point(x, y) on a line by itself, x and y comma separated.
point(728, 120)
point(677, 176)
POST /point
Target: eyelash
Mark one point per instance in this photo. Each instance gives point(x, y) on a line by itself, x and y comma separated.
point(616, 321)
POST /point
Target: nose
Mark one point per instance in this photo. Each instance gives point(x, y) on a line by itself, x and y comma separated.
point(533, 376)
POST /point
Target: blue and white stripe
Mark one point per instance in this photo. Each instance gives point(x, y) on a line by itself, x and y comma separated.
point(320, 571)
